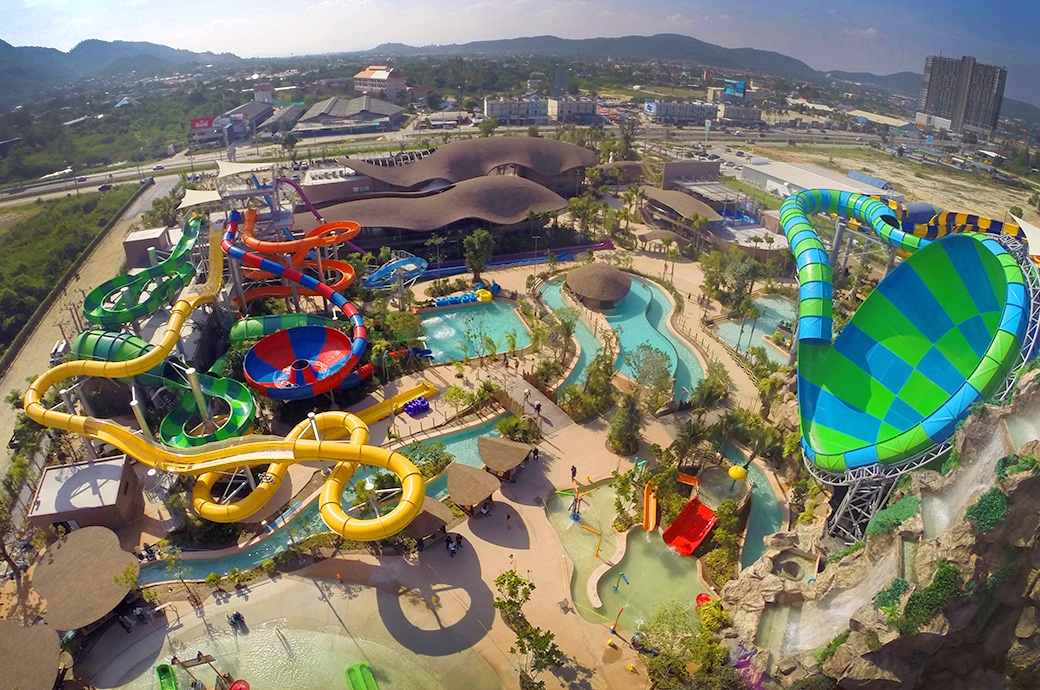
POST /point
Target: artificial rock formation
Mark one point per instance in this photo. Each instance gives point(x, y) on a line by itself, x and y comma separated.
point(986, 635)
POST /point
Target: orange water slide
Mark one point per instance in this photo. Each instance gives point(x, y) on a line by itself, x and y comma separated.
point(325, 235)
point(650, 507)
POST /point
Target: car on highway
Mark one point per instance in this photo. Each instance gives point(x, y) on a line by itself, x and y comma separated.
point(81, 179)
point(104, 188)
point(159, 167)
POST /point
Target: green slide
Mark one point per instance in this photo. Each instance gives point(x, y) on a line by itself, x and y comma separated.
point(175, 427)
point(939, 334)
point(359, 677)
point(256, 327)
point(126, 298)
point(167, 679)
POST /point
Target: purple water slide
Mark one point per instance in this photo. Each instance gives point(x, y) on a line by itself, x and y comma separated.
point(314, 211)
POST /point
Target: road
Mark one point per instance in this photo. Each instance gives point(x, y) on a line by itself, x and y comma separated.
point(99, 267)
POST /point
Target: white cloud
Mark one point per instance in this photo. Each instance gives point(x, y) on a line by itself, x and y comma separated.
point(863, 34)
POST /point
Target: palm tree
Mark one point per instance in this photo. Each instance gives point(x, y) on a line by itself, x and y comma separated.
point(511, 342)
point(691, 434)
point(707, 396)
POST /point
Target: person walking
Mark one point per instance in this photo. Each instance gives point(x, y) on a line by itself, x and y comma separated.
point(574, 473)
point(448, 543)
point(458, 540)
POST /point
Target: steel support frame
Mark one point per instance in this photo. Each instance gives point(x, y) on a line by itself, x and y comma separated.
point(869, 488)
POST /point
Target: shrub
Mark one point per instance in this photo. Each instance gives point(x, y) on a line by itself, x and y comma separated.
point(1013, 464)
point(821, 655)
point(213, 580)
point(519, 430)
point(713, 617)
point(431, 459)
point(893, 516)
point(989, 510)
point(847, 551)
point(719, 565)
point(924, 604)
point(950, 463)
point(269, 566)
point(891, 595)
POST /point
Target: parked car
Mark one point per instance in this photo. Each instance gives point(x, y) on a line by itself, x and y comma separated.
point(104, 188)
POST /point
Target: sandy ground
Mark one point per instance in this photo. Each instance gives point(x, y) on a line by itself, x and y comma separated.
point(951, 190)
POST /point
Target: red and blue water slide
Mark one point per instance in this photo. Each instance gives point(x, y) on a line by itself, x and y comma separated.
point(301, 362)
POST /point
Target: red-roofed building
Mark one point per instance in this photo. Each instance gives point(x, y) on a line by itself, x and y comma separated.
point(380, 79)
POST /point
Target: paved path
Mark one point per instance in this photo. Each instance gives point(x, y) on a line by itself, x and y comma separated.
point(106, 258)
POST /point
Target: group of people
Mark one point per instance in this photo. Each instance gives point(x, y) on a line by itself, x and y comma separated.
point(702, 300)
point(453, 543)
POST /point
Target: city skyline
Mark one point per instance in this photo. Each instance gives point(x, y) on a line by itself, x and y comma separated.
point(882, 37)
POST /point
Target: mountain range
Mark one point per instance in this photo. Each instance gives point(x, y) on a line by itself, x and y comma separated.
point(29, 72)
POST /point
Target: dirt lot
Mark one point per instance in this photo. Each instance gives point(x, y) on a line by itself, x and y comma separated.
point(950, 189)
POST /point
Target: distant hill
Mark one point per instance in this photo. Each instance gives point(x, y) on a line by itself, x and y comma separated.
point(657, 47)
point(29, 72)
point(676, 46)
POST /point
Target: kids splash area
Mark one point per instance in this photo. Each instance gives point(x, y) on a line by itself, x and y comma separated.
point(387, 492)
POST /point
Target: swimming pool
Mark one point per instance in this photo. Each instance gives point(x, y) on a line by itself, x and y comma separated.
point(774, 310)
point(767, 515)
point(642, 317)
point(656, 574)
point(461, 444)
point(446, 331)
point(589, 343)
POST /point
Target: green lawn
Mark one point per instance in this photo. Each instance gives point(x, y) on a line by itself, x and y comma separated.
point(41, 245)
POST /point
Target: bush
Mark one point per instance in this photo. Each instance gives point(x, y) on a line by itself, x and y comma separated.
point(213, 580)
point(847, 551)
point(547, 371)
point(891, 595)
point(989, 510)
point(519, 430)
point(713, 617)
point(269, 566)
point(893, 516)
point(821, 655)
point(950, 463)
point(924, 604)
point(719, 565)
point(431, 459)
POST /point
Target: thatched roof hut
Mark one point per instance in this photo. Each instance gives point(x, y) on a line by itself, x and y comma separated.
point(28, 656)
point(470, 486)
point(501, 456)
point(659, 236)
point(431, 523)
point(76, 576)
point(598, 286)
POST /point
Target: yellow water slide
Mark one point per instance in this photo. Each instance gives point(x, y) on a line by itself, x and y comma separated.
point(208, 461)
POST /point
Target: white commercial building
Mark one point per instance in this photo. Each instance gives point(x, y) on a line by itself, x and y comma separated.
point(785, 179)
point(737, 114)
point(380, 79)
point(680, 112)
point(517, 111)
point(567, 109)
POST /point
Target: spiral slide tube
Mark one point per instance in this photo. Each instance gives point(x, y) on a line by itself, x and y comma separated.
point(206, 462)
point(939, 333)
point(314, 211)
point(126, 298)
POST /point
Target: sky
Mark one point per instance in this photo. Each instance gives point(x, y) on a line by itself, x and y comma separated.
point(880, 36)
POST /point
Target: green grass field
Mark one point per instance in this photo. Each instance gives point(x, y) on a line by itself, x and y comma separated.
point(42, 242)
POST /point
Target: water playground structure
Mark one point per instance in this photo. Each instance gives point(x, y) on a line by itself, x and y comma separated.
point(951, 326)
point(299, 356)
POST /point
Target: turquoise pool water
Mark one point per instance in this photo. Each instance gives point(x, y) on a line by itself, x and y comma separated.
point(774, 310)
point(447, 330)
point(642, 317)
point(767, 516)
point(656, 574)
point(462, 444)
point(589, 343)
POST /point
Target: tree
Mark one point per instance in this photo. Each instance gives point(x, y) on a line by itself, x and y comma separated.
point(289, 142)
point(653, 375)
point(164, 212)
point(511, 341)
point(537, 652)
point(404, 325)
point(5, 528)
point(513, 592)
point(478, 247)
point(532, 131)
point(436, 241)
point(623, 435)
point(488, 126)
point(458, 398)
point(680, 637)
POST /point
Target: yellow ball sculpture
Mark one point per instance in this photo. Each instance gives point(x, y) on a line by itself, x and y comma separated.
point(737, 473)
